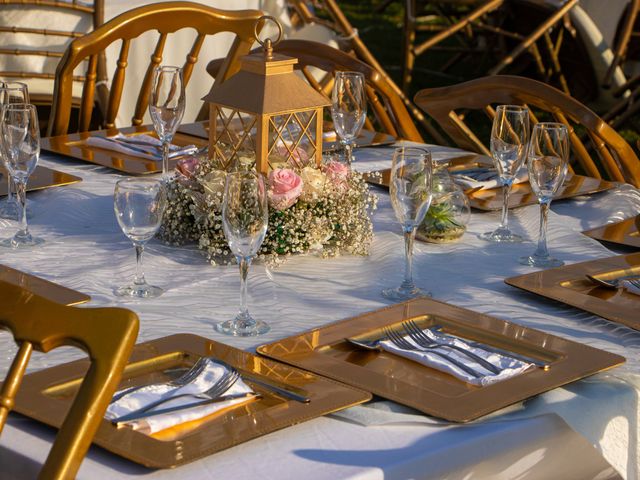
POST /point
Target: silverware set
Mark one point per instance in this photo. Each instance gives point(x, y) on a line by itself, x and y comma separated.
point(440, 344)
point(216, 393)
point(149, 148)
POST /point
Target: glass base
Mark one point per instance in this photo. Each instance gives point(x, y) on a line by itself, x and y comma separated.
point(21, 241)
point(537, 261)
point(401, 293)
point(501, 235)
point(242, 326)
point(142, 290)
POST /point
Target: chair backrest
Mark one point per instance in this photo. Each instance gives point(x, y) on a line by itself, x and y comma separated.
point(106, 334)
point(165, 18)
point(387, 110)
point(588, 133)
point(34, 35)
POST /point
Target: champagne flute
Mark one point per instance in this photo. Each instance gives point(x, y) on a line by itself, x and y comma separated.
point(348, 109)
point(245, 216)
point(139, 204)
point(11, 92)
point(509, 137)
point(410, 189)
point(166, 107)
point(547, 163)
point(20, 137)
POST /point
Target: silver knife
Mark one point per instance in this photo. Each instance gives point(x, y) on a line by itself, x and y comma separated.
point(123, 419)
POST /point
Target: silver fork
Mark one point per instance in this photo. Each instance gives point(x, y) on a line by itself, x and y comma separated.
point(223, 384)
point(186, 378)
point(634, 282)
point(400, 342)
point(422, 339)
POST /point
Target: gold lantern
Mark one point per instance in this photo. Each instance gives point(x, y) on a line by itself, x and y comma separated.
point(268, 110)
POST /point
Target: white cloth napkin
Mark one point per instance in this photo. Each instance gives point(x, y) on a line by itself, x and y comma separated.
point(509, 367)
point(134, 149)
point(485, 178)
point(630, 288)
point(138, 399)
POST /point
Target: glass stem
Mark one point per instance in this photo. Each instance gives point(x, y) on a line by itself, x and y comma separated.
point(21, 192)
point(506, 190)
point(10, 188)
point(409, 235)
point(542, 250)
point(348, 149)
point(165, 159)
point(139, 278)
point(244, 263)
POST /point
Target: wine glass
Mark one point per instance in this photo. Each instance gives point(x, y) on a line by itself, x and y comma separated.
point(139, 204)
point(20, 138)
point(348, 109)
point(11, 92)
point(509, 137)
point(410, 189)
point(245, 216)
point(166, 107)
point(547, 163)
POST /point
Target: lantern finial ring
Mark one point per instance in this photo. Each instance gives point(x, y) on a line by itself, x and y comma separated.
point(268, 44)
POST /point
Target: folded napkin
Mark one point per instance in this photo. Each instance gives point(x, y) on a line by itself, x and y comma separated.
point(149, 425)
point(485, 177)
point(629, 287)
point(143, 146)
point(509, 367)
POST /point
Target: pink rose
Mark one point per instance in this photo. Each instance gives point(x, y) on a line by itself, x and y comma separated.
point(285, 186)
point(338, 173)
point(187, 166)
point(298, 156)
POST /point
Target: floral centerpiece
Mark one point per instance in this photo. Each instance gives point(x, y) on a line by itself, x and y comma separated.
point(325, 209)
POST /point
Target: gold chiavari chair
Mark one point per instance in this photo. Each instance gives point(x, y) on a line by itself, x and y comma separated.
point(106, 334)
point(165, 18)
point(388, 112)
point(33, 37)
point(589, 134)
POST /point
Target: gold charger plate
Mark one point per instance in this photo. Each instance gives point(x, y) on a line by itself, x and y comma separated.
point(73, 146)
point(39, 286)
point(46, 396)
point(367, 138)
point(490, 199)
point(570, 285)
point(41, 178)
point(626, 232)
point(324, 351)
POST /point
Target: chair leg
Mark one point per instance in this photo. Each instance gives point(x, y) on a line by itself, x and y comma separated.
point(409, 40)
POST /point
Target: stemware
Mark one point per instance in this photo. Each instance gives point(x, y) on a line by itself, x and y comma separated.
point(348, 109)
point(166, 107)
point(509, 137)
point(139, 204)
point(11, 92)
point(20, 138)
point(547, 163)
point(410, 190)
point(245, 217)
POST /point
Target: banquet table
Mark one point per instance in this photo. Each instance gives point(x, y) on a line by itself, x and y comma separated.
point(548, 436)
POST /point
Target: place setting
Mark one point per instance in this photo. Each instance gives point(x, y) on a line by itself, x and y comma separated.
point(625, 232)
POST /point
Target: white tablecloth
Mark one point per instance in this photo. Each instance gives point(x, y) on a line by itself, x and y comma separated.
point(85, 250)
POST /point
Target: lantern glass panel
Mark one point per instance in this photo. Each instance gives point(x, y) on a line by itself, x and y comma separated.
point(235, 135)
point(292, 139)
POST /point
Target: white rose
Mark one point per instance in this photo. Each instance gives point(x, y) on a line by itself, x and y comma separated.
point(314, 183)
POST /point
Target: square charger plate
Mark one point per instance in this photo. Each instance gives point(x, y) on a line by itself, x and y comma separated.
point(569, 284)
point(73, 146)
point(44, 288)
point(326, 352)
point(41, 178)
point(46, 396)
point(626, 232)
point(490, 199)
point(366, 138)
